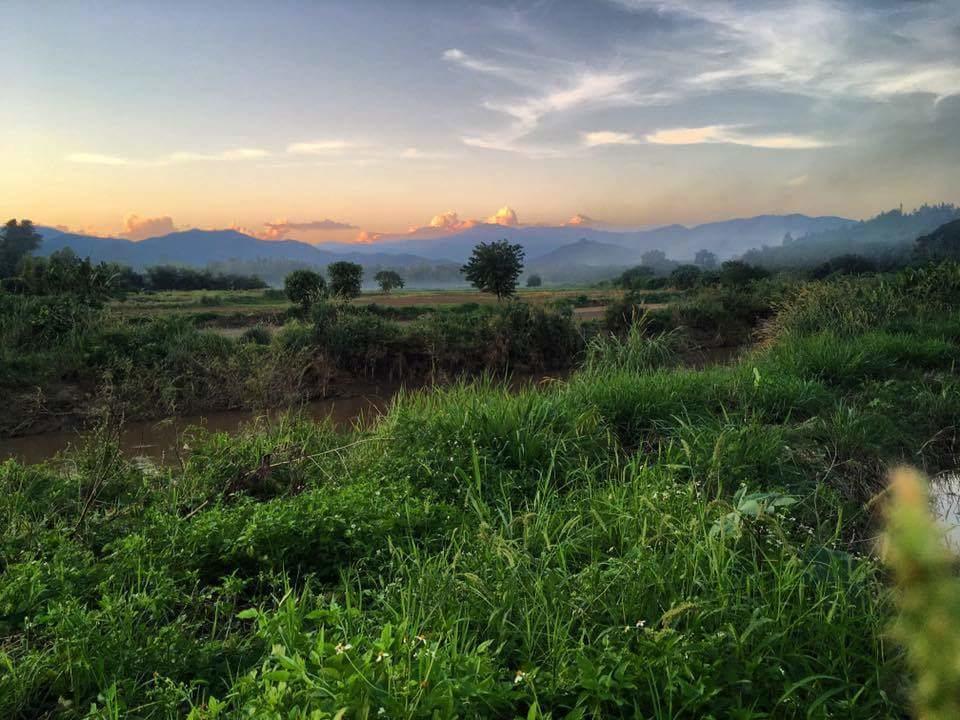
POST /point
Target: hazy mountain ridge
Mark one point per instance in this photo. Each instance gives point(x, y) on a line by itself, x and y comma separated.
point(885, 236)
point(553, 247)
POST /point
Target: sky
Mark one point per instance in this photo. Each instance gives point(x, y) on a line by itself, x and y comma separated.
point(355, 120)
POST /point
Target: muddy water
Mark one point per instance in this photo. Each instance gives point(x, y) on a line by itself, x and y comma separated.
point(158, 440)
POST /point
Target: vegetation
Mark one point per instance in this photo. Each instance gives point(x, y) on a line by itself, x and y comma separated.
point(534, 281)
point(388, 280)
point(495, 268)
point(304, 287)
point(643, 540)
point(346, 278)
point(17, 241)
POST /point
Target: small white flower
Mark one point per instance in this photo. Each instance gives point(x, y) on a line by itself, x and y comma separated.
point(341, 648)
point(382, 655)
point(518, 678)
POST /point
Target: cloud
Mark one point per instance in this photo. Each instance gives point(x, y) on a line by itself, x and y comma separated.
point(731, 135)
point(459, 57)
point(138, 228)
point(504, 216)
point(279, 228)
point(449, 220)
point(587, 89)
point(798, 180)
point(820, 48)
point(366, 236)
point(580, 219)
point(319, 147)
point(171, 159)
point(606, 137)
point(97, 159)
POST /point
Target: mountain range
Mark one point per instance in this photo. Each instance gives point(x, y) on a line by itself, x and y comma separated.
point(547, 248)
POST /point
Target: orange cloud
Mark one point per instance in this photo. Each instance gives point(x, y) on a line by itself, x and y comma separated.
point(448, 220)
point(366, 236)
point(504, 216)
point(579, 219)
point(138, 228)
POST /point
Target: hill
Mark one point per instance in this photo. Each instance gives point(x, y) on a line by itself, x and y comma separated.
point(886, 238)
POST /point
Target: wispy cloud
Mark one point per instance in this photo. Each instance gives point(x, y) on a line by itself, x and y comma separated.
point(820, 48)
point(97, 159)
point(320, 147)
point(607, 137)
point(733, 135)
point(171, 159)
point(279, 229)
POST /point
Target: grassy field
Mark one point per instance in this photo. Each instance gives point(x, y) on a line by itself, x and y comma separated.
point(248, 301)
point(643, 540)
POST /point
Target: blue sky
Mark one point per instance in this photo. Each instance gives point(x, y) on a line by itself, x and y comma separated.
point(380, 116)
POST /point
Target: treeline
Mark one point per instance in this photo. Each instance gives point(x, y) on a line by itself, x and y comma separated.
point(817, 257)
point(887, 240)
point(64, 272)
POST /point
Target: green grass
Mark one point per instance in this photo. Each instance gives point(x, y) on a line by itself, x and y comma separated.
point(640, 541)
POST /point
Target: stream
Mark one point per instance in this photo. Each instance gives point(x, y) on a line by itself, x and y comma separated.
point(159, 439)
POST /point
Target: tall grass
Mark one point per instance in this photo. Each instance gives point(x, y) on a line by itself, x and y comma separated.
point(638, 541)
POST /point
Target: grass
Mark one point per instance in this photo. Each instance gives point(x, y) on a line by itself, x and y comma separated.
point(642, 540)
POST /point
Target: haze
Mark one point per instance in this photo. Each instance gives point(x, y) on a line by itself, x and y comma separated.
point(351, 120)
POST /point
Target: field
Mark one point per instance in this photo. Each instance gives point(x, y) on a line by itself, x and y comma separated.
point(643, 539)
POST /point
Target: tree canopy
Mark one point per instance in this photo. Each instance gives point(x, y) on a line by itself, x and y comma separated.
point(388, 280)
point(17, 241)
point(304, 287)
point(495, 268)
point(345, 278)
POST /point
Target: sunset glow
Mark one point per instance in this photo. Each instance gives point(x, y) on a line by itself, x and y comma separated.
point(353, 122)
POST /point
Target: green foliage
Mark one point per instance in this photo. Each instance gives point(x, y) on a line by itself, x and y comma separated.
point(640, 540)
point(345, 278)
point(304, 287)
point(17, 241)
point(640, 350)
point(388, 280)
point(494, 268)
point(844, 265)
point(534, 281)
point(685, 277)
point(928, 595)
point(737, 273)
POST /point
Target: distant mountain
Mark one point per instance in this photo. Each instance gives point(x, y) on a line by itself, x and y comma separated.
point(584, 253)
point(564, 250)
point(204, 247)
point(887, 237)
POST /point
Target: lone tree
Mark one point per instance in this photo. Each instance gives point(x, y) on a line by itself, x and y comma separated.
point(534, 281)
point(495, 267)
point(345, 278)
point(705, 259)
point(17, 240)
point(304, 287)
point(685, 277)
point(388, 280)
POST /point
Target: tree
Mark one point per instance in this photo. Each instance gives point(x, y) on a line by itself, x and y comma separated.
point(534, 281)
point(17, 240)
point(738, 273)
point(844, 265)
point(345, 278)
point(705, 259)
point(304, 287)
point(388, 280)
point(685, 277)
point(495, 267)
point(635, 278)
point(653, 258)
